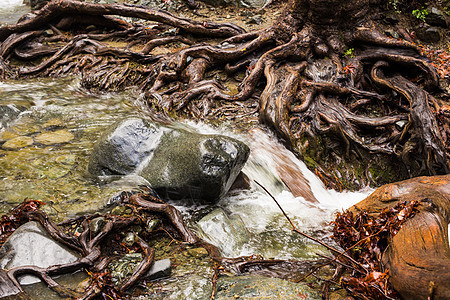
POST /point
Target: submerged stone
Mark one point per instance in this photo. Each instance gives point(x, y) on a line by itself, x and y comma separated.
point(54, 137)
point(30, 244)
point(197, 252)
point(7, 135)
point(225, 231)
point(259, 287)
point(18, 142)
point(53, 123)
point(160, 269)
point(8, 113)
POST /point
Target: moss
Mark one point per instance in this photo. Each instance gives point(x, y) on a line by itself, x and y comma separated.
point(327, 155)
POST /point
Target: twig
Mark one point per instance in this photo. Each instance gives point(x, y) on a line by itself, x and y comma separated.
point(294, 228)
point(214, 282)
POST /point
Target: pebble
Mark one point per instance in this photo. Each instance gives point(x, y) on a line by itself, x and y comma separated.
point(53, 123)
point(197, 252)
point(18, 142)
point(7, 135)
point(55, 137)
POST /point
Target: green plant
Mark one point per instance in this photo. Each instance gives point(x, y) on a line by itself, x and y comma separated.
point(395, 5)
point(350, 52)
point(420, 14)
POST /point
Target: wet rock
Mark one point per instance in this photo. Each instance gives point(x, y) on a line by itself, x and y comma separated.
point(428, 34)
point(30, 244)
point(178, 164)
point(8, 113)
point(436, 17)
point(160, 269)
point(18, 142)
point(52, 124)
point(124, 147)
point(225, 231)
point(197, 252)
point(96, 225)
point(188, 165)
point(258, 287)
point(391, 18)
point(54, 137)
point(256, 19)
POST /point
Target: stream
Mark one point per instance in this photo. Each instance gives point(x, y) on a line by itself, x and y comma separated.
point(52, 125)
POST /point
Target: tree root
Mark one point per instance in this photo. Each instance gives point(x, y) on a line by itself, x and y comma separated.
point(96, 248)
point(361, 104)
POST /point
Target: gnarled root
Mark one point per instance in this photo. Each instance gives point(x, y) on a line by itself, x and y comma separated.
point(378, 103)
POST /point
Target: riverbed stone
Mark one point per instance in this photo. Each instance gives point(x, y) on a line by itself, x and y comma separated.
point(259, 287)
point(177, 163)
point(159, 269)
point(123, 147)
point(18, 142)
point(30, 244)
point(195, 166)
point(54, 137)
point(7, 135)
point(8, 113)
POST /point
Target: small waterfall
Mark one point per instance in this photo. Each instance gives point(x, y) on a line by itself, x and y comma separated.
point(248, 222)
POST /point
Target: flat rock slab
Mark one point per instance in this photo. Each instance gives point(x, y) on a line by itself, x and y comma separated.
point(30, 244)
point(54, 137)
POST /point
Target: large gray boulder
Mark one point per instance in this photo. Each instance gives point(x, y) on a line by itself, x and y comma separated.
point(178, 164)
point(124, 146)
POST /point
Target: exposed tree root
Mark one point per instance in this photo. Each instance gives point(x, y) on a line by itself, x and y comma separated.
point(382, 99)
point(97, 247)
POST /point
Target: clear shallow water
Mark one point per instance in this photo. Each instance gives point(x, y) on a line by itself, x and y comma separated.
point(11, 11)
point(55, 173)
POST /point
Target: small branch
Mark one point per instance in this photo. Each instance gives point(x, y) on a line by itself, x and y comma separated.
point(308, 236)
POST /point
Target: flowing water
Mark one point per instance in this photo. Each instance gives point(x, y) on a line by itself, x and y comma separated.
point(46, 148)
